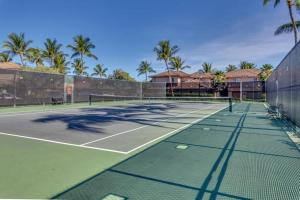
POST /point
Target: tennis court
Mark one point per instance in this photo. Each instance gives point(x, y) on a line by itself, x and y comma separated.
point(241, 155)
point(123, 127)
point(162, 149)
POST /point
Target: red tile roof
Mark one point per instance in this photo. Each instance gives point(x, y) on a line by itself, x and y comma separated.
point(200, 75)
point(240, 73)
point(249, 73)
point(9, 65)
point(180, 74)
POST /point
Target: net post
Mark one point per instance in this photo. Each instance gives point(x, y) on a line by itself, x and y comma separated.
point(90, 99)
point(230, 104)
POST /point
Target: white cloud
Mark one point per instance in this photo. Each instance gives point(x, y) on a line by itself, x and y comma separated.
point(258, 45)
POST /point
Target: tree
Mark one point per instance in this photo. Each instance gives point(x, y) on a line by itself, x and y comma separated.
point(266, 71)
point(79, 67)
point(219, 79)
point(41, 69)
point(119, 74)
point(52, 50)
point(34, 55)
point(247, 65)
point(16, 45)
point(177, 63)
point(61, 63)
point(231, 68)
point(206, 68)
point(290, 4)
point(164, 52)
point(287, 28)
point(81, 47)
point(145, 68)
point(100, 71)
point(5, 57)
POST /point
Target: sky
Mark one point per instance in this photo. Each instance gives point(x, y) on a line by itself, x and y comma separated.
point(125, 32)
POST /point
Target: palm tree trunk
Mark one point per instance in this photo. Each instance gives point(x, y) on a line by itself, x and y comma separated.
point(170, 79)
point(146, 76)
point(51, 62)
point(290, 6)
point(21, 59)
point(81, 58)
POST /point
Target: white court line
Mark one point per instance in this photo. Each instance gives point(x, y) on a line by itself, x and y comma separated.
point(109, 150)
point(71, 111)
point(177, 130)
point(37, 112)
point(64, 143)
point(128, 131)
point(60, 110)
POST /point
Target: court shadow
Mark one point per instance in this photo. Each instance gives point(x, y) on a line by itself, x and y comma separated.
point(202, 190)
point(95, 120)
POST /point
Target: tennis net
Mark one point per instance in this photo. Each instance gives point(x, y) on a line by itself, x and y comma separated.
point(172, 102)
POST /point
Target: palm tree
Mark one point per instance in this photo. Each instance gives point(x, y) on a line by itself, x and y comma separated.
point(100, 71)
point(5, 57)
point(79, 67)
point(266, 71)
point(287, 28)
point(35, 56)
point(61, 63)
point(219, 80)
point(145, 68)
point(82, 47)
point(119, 74)
point(219, 77)
point(16, 45)
point(247, 65)
point(178, 64)
point(164, 52)
point(290, 4)
point(231, 68)
point(52, 50)
point(206, 68)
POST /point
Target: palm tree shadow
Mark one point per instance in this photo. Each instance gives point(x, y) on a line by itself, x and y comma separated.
point(93, 120)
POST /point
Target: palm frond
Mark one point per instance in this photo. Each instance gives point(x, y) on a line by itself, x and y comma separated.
point(297, 3)
point(286, 28)
point(276, 2)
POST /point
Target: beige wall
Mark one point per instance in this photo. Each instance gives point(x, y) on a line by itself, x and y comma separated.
point(244, 79)
point(166, 80)
point(196, 80)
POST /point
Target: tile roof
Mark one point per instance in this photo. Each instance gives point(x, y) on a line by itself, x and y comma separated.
point(202, 75)
point(243, 73)
point(9, 65)
point(172, 74)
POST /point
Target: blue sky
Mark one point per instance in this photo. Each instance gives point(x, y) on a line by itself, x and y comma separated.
point(126, 31)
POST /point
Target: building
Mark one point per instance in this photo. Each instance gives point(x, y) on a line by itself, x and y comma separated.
point(9, 66)
point(177, 77)
point(243, 75)
point(239, 84)
point(244, 84)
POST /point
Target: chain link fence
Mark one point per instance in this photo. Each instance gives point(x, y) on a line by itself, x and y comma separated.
point(283, 86)
point(243, 91)
point(29, 88)
point(32, 88)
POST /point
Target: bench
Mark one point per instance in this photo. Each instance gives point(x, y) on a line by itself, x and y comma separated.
point(57, 100)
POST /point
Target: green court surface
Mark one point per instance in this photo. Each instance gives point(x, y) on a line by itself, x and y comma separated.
point(242, 155)
point(33, 169)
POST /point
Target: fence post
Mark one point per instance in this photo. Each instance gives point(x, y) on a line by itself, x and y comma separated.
point(241, 90)
point(15, 89)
